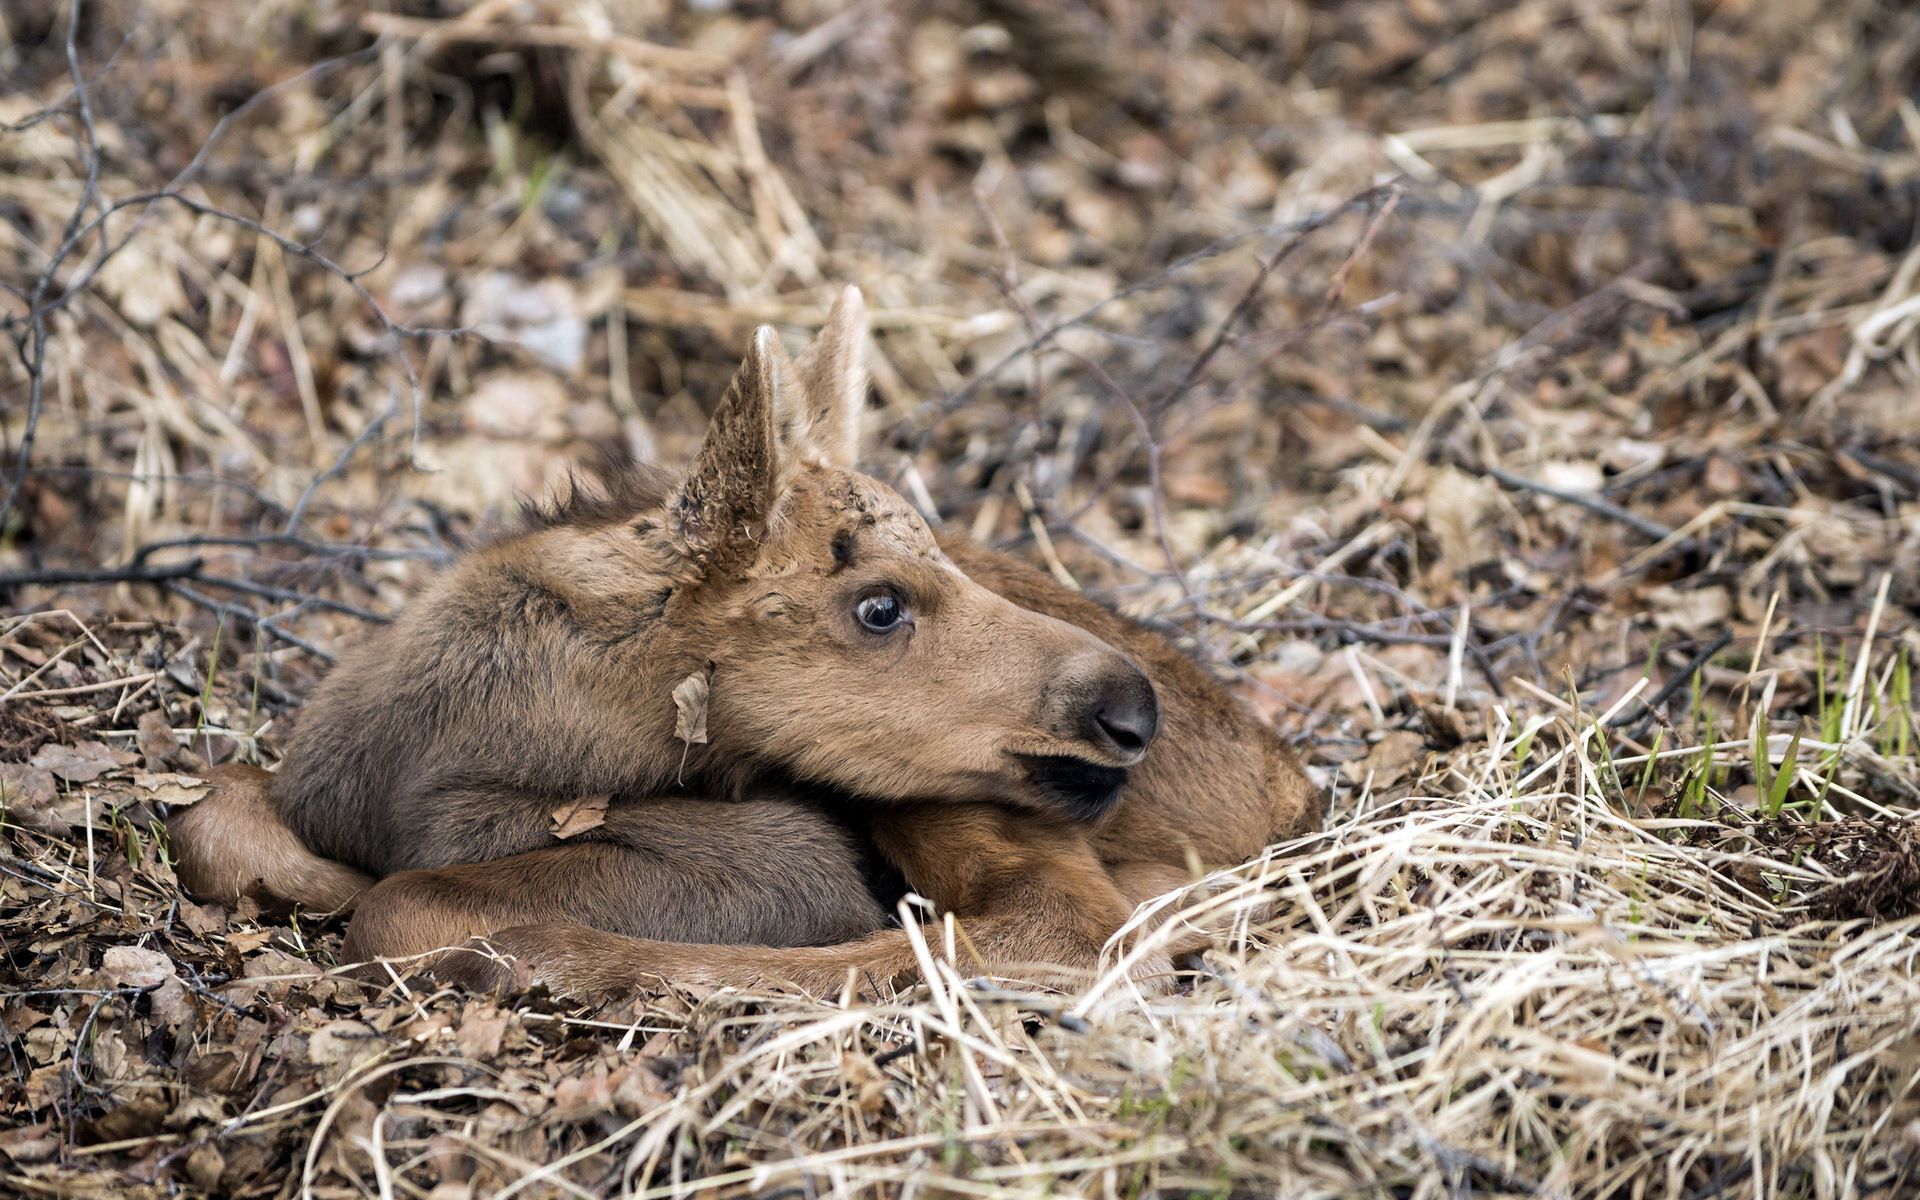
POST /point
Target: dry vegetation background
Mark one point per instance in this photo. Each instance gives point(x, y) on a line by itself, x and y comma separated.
point(1516, 400)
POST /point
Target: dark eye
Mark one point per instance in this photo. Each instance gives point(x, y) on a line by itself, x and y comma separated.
point(882, 613)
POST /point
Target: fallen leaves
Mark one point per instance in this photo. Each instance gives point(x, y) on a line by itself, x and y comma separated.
point(1343, 423)
point(341, 1046)
point(153, 973)
point(155, 739)
point(1392, 762)
point(81, 763)
point(24, 787)
point(480, 1032)
point(579, 815)
point(172, 788)
point(29, 1143)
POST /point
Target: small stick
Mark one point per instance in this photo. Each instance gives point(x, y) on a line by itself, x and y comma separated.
point(1041, 538)
point(1667, 690)
point(136, 572)
point(1455, 653)
point(81, 689)
point(633, 49)
point(1333, 562)
point(1592, 503)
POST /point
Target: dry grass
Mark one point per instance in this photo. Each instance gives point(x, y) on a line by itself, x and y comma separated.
point(1513, 400)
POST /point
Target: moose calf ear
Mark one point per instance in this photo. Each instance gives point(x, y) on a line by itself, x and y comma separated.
point(832, 373)
point(719, 518)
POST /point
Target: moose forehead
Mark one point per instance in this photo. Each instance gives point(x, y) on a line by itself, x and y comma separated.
point(843, 518)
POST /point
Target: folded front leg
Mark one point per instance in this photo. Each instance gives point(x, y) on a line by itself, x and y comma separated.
point(1033, 903)
point(769, 872)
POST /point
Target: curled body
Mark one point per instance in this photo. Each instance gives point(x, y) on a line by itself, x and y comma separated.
point(887, 709)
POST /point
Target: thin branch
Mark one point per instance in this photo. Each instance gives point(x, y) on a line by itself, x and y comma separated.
point(1587, 500)
point(269, 592)
point(1251, 294)
point(1297, 230)
point(339, 466)
point(248, 616)
point(134, 572)
point(80, 229)
point(1668, 690)
point(255, 541)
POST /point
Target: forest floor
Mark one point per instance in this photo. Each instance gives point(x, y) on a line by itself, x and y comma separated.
point(1518, 402)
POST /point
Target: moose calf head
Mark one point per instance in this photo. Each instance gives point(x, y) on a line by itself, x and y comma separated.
point(848, 649)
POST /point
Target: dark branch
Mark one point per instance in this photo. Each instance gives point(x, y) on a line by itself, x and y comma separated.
point(134, 572)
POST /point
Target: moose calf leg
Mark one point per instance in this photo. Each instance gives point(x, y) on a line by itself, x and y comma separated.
point(233, 844)
point(1033, 901)
point(1045, 943)
point(768, 872)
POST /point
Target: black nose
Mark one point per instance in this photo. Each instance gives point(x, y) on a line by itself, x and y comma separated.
point(1127, 715)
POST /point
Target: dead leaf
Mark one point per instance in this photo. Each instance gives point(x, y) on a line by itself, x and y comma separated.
point(134, 966)
point(690, 701)
point(575, 817)
point(33, 800)
point(690, 698)
point(203, 919)
point(344, 1045)
point(30, 1143)
point(204, 1166)
point(1445, 727)
point(1392, 759)
point(1459, 512)
point(480, 1032)
point(246, 941)
point(139, 1117)
point(637, 1090)
point(155, 739)
point(1689, 610)
point(867, 1081)
point(25, 787)
point(172, 787)
point(83, 763)
point(581, 1097)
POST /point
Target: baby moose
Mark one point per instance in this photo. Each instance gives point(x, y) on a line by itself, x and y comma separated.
point(885, 709)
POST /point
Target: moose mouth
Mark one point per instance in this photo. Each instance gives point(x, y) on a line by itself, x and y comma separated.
point(1085, 790)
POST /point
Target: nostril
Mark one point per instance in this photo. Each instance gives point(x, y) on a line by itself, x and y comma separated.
point(1107, 704)
point(1128, 716)
point(1124, 729)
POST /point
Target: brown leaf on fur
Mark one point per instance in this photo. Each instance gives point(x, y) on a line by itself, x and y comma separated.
point(690, 698)
point(575, 817)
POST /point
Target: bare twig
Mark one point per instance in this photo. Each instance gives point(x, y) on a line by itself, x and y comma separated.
point(135, 572)
point(1671, 687)
point(1372, 198)
point(1586, 500)
point(1296, 231)
point(248, 617)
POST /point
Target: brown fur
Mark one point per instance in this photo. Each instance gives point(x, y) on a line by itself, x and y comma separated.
point(977, 735)
point(234, 843)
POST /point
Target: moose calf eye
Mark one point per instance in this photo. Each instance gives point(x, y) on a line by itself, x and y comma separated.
point(880, 614)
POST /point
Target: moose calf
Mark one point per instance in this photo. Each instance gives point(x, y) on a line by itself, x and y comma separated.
point(887, 709)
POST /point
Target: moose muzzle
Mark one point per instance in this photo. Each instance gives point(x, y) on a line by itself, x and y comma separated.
point(1106, 702)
